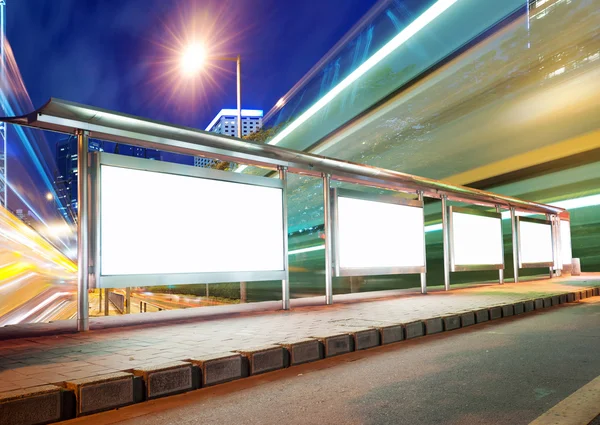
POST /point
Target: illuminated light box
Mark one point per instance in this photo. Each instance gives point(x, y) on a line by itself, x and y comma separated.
point(163, 223)
point(535, 243)
point(475, 240)
point(377, 234)
point(565, 243)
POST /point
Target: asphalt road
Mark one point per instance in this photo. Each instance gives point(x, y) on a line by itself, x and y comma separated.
point(505, 372)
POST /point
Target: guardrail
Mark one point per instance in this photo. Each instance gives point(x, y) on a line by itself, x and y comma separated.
point(112, 255)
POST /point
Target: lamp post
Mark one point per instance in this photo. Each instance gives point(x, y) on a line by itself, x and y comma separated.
point(192, 61)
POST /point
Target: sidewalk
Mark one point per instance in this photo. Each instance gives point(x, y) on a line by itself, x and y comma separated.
point(56, 359)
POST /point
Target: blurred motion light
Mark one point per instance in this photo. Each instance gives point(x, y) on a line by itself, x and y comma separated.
point(49, 196)
point(402, 37)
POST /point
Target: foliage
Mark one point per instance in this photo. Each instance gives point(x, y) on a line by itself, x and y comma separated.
point(261, 136)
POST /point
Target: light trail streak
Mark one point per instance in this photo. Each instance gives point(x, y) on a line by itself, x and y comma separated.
point(37, 308)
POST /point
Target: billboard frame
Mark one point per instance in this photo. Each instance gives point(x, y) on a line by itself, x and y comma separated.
point(472, 267)
point(136, 280)
point(370, 271)
point(523, 265)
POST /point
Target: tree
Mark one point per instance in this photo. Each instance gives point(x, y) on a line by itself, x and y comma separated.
point(261, 136)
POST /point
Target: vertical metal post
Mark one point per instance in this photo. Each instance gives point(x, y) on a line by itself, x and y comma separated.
point(106, 303)
point(515, 242)
point(501, 271)
point(553, 233)
point(128, 300)
point(558, 264)
point(239, 95)
point(445, 236)
point(424, 273)
point(328, 249)
point(99, 300)
point(83, 248)
point(285, 283)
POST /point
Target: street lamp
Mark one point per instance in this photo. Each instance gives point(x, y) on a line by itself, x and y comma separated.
point(192, 61)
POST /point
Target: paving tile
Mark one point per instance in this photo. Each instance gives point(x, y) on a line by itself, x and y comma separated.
point(28, 361)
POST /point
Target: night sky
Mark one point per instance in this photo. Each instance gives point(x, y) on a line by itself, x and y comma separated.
point(114, 54)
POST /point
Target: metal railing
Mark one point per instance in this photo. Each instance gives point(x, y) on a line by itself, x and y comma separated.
point(86, 121)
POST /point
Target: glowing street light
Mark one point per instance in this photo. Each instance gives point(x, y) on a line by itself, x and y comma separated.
point(49, 196)
point(192, 60)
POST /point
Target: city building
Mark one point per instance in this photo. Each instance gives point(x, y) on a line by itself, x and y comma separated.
point(26, 217)
point(66, 174)
point(66, 164)
point(225, 122)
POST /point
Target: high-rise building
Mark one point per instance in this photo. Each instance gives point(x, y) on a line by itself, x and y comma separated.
point(226, 123)
point(66, 175)
point(66, 163)
point(25, 216)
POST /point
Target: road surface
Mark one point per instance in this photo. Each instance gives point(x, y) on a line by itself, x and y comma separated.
point(504, 372)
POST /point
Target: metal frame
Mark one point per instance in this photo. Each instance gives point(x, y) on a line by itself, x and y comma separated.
point(327, 227)
point(67, 117)
point(515, 243)
point(87, 121)
point(363, 196)
point(285, 283)
point(501, 271)
point(124, 281)
point(83, 233)
point(446, 242)
point(522, 265)
point(471, 267)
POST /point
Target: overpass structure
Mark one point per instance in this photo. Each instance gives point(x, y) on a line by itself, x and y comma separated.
point(501, 96)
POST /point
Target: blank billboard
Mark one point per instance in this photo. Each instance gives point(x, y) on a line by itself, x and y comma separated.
point(476, 240)
point(535, 243)
point(379, 236)
point(156, 223)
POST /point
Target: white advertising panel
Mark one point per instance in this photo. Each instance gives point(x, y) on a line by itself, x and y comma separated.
point(476, 241)
point(535, 243)
point(379, 236)
point(565, 242)
point(158, 223)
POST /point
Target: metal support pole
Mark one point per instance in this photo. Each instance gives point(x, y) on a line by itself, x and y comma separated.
point(515, 243)
point(558, 241)
point(128, 300)
point(424, 273)
point(106, 303)
point(553, 233)
point(445, 236)
point(239, 95)
point(99, 300)
point(501, 271)
point(285, 283)
point(328, 249)
point(83, 248)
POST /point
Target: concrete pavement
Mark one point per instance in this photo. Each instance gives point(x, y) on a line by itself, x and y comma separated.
point(502, 372)
point(347, 325)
